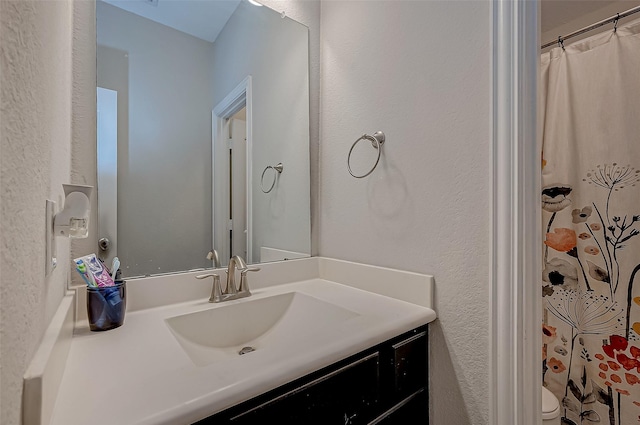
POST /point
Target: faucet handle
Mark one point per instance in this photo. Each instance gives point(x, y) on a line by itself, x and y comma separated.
point(244, 285)
point(216, 290)
point(249, 269)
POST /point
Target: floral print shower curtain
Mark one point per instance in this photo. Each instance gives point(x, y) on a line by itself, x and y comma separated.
point(590, 109)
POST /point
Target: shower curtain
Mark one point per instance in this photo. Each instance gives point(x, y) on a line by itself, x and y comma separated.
point(590, 110)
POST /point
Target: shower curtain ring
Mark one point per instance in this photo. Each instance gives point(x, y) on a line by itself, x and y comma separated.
point(561, 42)
point(615, 23)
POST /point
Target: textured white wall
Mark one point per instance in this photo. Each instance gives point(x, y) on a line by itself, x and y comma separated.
point(83, 119)
point(420, 72)
point(35, 124)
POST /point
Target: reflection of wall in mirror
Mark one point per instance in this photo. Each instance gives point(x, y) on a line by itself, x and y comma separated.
point(164, 158)
point(107, 147)
point(274, 51)
point(174, 80)
point(272, 254)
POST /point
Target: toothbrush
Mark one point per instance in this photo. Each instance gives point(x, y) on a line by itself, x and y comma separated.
point(87, 275)
point(115, 265)
point(82, 269)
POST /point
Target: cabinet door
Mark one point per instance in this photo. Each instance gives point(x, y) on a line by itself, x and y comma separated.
point(348, 396)
point(410, 364)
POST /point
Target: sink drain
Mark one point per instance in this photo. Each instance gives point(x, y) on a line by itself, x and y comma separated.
point(246, 350)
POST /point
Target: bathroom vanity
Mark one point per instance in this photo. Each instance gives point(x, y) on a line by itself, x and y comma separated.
point(386, 384)
point(330, 342)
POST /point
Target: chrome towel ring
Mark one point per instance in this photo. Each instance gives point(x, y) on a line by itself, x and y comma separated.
point(377, 140)
point(277, 170)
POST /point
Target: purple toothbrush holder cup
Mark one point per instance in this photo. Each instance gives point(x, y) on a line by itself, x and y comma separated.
point(106, 306)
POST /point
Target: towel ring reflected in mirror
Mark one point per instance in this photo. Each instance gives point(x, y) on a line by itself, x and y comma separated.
point(377, 140)
point(277, 170)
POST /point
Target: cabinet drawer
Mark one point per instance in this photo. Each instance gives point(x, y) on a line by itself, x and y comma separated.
point(410, 364)
point(414, 409)
point(347, 396)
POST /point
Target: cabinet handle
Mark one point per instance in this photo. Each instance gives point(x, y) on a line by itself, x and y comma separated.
point(408, 340)
point(396, 407)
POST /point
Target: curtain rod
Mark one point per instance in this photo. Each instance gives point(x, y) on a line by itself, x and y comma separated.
point(593, 26)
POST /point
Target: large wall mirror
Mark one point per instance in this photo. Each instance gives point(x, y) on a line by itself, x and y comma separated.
point(203, 134)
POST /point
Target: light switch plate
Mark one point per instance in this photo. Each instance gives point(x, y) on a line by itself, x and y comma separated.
point(50, 251)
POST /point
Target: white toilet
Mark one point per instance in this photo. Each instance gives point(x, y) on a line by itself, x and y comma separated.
point(550, 408)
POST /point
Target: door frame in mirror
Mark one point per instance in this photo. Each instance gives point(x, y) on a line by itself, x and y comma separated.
point(240, 96)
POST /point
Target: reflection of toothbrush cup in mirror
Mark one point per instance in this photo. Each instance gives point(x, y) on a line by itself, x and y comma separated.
point(106, 292)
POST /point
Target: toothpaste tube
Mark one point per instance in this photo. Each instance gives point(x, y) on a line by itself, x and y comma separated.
point(97, 270)
point(86, 276)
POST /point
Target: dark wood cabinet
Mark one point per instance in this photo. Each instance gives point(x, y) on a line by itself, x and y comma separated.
point(386, 384)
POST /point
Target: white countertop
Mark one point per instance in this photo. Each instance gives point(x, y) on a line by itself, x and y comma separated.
point(139, 373)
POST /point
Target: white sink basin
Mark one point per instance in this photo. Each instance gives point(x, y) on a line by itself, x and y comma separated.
point(219, 333)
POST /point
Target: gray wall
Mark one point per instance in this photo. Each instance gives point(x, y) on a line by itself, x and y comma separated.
point(164, 159)
point(419, 71)
point(35, 129)
point(275, 52)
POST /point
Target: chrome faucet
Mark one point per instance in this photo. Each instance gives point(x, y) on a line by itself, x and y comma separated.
point(231, 291)
point(235, 263)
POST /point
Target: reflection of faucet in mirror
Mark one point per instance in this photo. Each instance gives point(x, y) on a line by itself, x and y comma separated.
point(213, 256)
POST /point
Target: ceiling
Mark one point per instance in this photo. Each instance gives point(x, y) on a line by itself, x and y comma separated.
point(556, 13)
point(200, 18)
